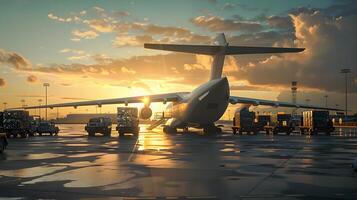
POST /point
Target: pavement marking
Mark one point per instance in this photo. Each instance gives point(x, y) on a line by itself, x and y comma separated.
point(132, 151)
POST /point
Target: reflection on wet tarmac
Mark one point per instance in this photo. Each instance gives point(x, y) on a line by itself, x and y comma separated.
point(183, 165)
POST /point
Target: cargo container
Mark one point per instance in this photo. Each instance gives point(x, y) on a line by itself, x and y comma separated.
point(128, 121)
point(1, 122)
point(316, 121)
point(17, 122)
point(280, 123)
point(263, 121)
point(244, 121)
point(3, 142)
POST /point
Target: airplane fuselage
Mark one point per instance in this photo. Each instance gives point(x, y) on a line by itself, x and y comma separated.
point(202, 107)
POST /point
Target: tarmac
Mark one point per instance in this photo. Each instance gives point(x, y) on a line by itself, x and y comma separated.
point(181, 166)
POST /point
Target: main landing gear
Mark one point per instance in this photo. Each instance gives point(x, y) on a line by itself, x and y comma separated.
point(207, 130)
point(210, 130)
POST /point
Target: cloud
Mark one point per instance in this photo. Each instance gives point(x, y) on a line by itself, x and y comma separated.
point(57, 18)
point(2, 82)
point(324, 38)
point(101, 25)
point(66, 84)
point(85, 34)
point(76, 98)
point(218, 24)
point(76, 54)
point(74, 51)
point(282, 22)
point(132, 40)
point(98, 9)
point(32, 79)
point(14, 60)
point(121, 13)
point(228, 6)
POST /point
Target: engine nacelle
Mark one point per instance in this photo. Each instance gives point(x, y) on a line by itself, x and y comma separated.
point(145, 113)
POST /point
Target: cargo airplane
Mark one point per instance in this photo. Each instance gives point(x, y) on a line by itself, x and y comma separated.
point(208, 102)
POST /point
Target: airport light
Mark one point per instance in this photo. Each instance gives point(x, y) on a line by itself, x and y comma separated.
point(39, 109)
point(46, 85)
point(326, 96)
point(23, 102)
point(346, 71)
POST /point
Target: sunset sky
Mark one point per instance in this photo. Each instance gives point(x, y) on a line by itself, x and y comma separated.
point(94, 49)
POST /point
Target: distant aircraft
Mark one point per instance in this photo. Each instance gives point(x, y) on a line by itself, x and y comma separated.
point(207, 103)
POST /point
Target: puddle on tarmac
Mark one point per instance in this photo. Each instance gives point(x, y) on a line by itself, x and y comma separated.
point(88, 177)
point(75, 164)
point(82, 155)
point(31, 172)
point(228, 150)
point(43, 156)
point(76, 145)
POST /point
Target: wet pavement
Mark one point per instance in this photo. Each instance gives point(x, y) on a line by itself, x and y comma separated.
point(182, 166)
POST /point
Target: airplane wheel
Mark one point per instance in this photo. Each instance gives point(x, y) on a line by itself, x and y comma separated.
point(211, 130)
point(121, 134)
point(185, 130)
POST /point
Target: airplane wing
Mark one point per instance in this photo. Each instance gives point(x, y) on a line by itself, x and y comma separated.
point(256, 102)
point(169, 97)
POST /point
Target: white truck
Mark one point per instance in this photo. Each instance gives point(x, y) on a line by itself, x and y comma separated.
point(128, 121)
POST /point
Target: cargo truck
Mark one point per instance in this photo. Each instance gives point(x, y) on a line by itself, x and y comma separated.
point(281, 123)
point(316, 121)
point(17, 122)
point(262, 122)
point(47, 127)
point(128, 121)
point(1, 122)
point(101, 125)
point(3, 142)
point(244, 121)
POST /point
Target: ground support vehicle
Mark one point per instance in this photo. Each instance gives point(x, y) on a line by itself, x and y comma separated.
point(3, 142)
point(128, 121)
point(17, 122)
point(282, 123)
point(262, 122)
point(1, 122)
point(102, 125)
point(47, 127)
point(244, 121)
point(316, 121)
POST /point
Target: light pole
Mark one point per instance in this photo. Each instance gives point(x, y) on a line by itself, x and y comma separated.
point(23, 103)
point(4, 105)
point(326, 96)
point(346, 72)
point(39, 109)
point(46, 85)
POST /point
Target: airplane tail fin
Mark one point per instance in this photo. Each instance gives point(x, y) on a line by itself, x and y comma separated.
point(218, 50)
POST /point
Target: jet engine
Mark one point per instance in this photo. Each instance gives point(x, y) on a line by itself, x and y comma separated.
point(145, 113)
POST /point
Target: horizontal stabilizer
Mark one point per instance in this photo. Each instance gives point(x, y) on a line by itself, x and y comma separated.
point(231, 50)
point(227, 50)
